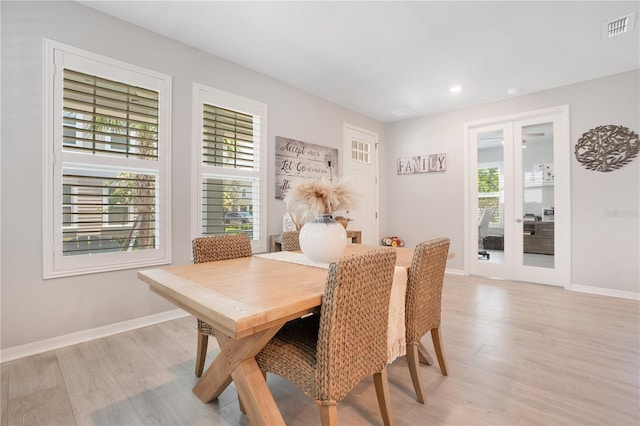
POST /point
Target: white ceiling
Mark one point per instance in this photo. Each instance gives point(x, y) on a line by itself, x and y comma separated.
point(393, 60)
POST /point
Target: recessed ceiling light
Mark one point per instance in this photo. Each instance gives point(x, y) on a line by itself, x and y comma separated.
point(513, 91)
point(455, 89)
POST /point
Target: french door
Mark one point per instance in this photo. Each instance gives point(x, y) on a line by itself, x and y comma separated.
point(518, 175)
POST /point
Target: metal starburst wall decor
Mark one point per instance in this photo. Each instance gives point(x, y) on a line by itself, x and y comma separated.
point(607, 148)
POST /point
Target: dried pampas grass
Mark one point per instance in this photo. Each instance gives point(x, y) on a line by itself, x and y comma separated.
point(320, 197)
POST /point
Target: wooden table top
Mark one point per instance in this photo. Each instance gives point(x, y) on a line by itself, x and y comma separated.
point(246, 295)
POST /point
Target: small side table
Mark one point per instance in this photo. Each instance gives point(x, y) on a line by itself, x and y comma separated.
point(356, 236)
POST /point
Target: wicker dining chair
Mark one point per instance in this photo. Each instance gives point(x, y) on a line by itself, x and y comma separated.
point(211, 249)
point(327, 355)
point(290, 241)
point(423, 304)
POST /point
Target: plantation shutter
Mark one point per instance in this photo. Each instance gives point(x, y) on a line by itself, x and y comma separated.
point(108, 207)
point(227, 138)
point(230, 145)
point(105, 117)
point(229, 202)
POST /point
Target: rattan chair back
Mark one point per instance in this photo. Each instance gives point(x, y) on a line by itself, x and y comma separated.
point(290, 241)
point(354, 315)
point(221, 247)
point(424, 288)
point(326, 355)
point(212, 249)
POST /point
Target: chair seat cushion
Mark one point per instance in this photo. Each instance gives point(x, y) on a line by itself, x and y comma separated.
point(296, 342)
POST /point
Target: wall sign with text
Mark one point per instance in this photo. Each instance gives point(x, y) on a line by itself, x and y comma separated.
point(297, 160)
point(422, 164)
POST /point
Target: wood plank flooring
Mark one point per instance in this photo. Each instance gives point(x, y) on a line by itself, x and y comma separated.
point(518, 354)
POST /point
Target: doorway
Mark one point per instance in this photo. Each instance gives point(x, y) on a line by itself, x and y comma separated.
point(518, 197)
point(360, 159)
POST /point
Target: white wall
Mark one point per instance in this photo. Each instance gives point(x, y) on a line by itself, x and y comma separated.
point(605, 221)
point(34, 310)
point(604, 205)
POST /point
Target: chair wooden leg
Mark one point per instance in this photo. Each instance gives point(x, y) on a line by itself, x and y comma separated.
point(201, 354)
point(329, 415)
point(413, 362)
point(437, 344)
point(384, 401)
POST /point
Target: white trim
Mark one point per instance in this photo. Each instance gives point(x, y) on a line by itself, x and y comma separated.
point(87, 335)
point(346, 159)
point(604, 291)
point(561, 274)
point(220, 98)
point(48, 157)
point(57, 56)
point(466, 193)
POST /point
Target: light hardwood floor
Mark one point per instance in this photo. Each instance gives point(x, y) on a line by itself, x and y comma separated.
point(518, 354)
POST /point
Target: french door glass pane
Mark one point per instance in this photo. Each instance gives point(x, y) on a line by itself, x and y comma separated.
point(490, 201)
point(538, 195)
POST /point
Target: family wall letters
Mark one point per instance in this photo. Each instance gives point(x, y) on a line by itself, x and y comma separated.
point(422, 164)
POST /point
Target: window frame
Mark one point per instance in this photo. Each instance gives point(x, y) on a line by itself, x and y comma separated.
point(57, 57)
point(499, 194)
point(361, 152)
point(219, 98)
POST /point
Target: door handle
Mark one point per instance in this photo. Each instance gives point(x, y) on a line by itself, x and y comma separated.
point(518, 220)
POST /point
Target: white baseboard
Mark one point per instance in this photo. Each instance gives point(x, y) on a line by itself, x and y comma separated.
point(605, 291)
point(34, 348)
point(576, 287)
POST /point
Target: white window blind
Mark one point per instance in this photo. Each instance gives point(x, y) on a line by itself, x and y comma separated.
point(227, 138)
point(104, 117)
point(230, 165)
point(107, 198)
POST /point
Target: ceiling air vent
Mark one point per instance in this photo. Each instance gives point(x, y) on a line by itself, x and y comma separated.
point(618, 26)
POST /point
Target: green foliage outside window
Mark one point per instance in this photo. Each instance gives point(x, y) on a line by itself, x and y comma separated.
point(488, 180)
point(488, 192)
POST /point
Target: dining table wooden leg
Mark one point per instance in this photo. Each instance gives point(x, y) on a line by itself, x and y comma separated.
point(232, 353)
point(255, 395)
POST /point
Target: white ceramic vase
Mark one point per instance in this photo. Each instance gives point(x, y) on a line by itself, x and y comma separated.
point(323, 239)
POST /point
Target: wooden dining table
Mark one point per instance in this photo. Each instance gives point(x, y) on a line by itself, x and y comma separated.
point(246, 301)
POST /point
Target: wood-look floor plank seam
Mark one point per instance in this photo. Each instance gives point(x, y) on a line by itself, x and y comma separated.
point(517, 354)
